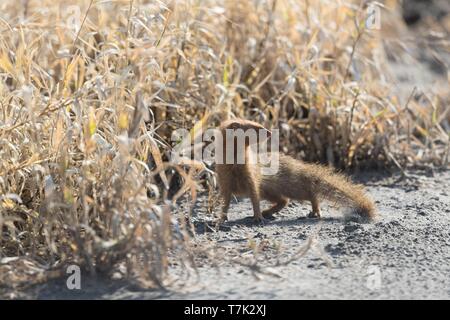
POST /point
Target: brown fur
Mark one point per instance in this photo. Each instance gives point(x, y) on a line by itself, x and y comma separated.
point(294, 180)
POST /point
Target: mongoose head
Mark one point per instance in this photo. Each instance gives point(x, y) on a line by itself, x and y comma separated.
point(247, 126)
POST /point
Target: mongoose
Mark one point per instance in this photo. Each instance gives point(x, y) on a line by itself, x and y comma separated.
point(294, 180)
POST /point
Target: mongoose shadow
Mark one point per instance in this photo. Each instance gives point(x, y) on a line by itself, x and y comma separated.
point(278, 221)
point(202, 226)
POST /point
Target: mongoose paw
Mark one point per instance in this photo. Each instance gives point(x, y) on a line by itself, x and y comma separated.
point(313, 214)
point(268, 215)
point(220, 220)
point(260, 220)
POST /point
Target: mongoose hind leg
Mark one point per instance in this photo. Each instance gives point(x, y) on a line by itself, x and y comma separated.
point(279, 204)
point(315, 213)
point(226, 205)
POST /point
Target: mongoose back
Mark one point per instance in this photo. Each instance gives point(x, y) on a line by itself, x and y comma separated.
point(294, 180)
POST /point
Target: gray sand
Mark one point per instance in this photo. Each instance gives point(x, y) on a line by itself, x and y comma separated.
point(404, 254)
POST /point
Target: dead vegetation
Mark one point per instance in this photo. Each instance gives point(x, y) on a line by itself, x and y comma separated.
point(91, 91)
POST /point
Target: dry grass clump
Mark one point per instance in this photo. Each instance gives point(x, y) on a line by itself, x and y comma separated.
point(91, 91)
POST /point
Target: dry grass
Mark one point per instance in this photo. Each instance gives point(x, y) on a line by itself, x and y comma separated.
point(87, 110)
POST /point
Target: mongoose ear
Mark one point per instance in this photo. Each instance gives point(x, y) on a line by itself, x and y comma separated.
point(261, 128)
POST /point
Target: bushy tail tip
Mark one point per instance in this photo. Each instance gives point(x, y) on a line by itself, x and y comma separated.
point(366, 209)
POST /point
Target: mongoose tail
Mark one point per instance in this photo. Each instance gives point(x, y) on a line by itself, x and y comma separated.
point(335, 187)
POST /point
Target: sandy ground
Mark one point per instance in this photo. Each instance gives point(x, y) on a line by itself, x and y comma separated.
point(404, 254)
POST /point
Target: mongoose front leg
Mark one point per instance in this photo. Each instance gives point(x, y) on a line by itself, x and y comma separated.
point(257, 216)
point(315, 208)
point(226, 205)
point(279, 204)
point(254, 197)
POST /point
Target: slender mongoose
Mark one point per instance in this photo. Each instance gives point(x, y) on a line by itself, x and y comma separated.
point(294, 180)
